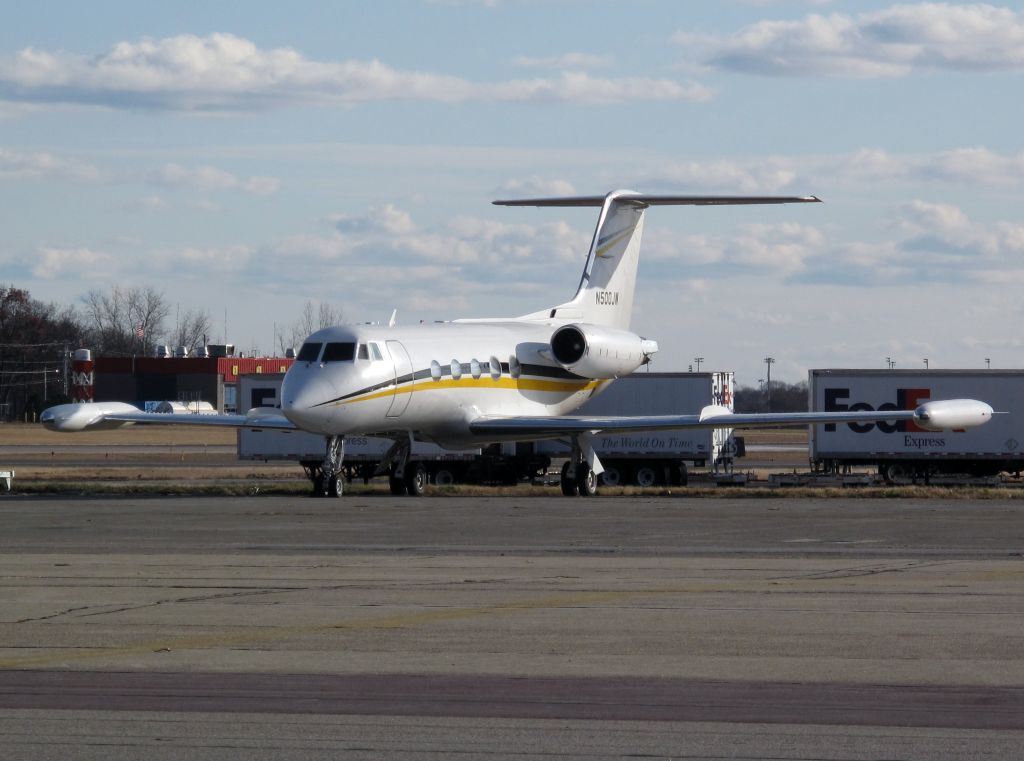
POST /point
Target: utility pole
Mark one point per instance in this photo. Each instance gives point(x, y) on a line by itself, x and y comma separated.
point(988, 363)
point(926, 363)
point(65, 356)
point(698, 360)
point(768, 380)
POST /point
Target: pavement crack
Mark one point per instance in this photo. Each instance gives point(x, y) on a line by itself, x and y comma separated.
point(58, 614)
point(191, 598)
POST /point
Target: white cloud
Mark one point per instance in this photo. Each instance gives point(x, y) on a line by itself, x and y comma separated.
point(977, 165)
point(756, 176)
point(938, 243)
point(52, 263)
point(565, 61)
point(223, 72)
point(209, 178)
point(379, 219)
point(19, 165)
point(200, 261)
point(780, 248)
point(892, 42)
point(536, 186)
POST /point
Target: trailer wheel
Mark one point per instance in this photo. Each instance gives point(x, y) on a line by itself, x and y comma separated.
point(677, 474)
point(611, 477)
point(893, 472)
point(444, 478)
point(646, 476)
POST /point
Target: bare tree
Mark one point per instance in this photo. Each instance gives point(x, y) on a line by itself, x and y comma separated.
point(193, 328)
point(126, 320)
point(314, 317)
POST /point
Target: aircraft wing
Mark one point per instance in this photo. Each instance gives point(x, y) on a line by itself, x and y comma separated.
point(105, 415)
point(934, 415)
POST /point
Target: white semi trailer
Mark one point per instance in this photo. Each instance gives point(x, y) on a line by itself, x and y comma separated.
point(646, 459)
point(660, 457)
point(902, 450)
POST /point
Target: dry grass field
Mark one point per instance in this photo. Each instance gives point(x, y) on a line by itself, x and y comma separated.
point(26, 434)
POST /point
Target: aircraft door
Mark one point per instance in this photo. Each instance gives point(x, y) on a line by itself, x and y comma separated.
point(403, 378)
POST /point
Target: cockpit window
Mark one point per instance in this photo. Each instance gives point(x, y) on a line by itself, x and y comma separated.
point(339, 352)
point(376, 352)
point(309, 352)
point(363, 352)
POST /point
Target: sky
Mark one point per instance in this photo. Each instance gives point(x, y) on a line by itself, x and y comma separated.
point(248, 157)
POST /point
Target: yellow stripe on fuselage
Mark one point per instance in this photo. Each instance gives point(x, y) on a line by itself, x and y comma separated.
point(518, 384)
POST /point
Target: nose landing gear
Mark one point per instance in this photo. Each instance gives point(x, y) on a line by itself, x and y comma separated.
point(327, 477)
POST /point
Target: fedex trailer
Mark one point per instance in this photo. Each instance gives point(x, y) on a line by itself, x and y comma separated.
point(902, 449)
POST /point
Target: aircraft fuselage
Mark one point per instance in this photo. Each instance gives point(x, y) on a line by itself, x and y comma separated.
point(431, 379)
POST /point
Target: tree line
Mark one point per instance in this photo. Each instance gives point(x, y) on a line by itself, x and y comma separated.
point(36, 336)
point(783, 397)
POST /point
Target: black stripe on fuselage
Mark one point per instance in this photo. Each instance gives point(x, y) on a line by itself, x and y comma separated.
point(541, 371)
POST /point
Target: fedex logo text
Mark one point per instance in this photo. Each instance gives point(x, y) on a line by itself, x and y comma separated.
point(837, 400)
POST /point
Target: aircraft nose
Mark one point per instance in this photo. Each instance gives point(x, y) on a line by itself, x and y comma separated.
point(303, 402)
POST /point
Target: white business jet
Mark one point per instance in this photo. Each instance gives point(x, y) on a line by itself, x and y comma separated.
point(465, 383)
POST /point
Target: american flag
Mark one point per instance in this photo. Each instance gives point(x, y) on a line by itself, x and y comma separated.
point(140, 332)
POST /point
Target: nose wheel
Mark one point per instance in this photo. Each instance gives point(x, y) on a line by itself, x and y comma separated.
point(327, 477)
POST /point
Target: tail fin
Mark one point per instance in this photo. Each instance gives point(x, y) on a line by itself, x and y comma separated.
point(605, 292)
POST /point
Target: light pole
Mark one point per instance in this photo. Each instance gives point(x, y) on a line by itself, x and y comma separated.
point(988, 363)
point(889, 361)
point(768, 381)
point(698, 360)
point(926, 363)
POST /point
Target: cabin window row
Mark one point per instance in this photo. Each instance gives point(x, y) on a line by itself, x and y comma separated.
point(476, 369)
point(339, 352)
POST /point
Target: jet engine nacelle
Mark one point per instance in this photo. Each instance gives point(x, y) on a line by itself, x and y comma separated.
point(594, 351)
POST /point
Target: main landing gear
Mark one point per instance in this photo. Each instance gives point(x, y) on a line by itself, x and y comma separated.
point(404, 477)
point(579, 477)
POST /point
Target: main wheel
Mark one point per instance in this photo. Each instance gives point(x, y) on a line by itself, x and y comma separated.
point(397, 485)
point(646, 476)
point(586, 480)
point(569, 486)
point(318, 486)
point(415, 479)
point(444, 478)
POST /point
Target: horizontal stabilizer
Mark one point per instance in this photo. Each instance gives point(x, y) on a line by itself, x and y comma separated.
point(658, 200)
